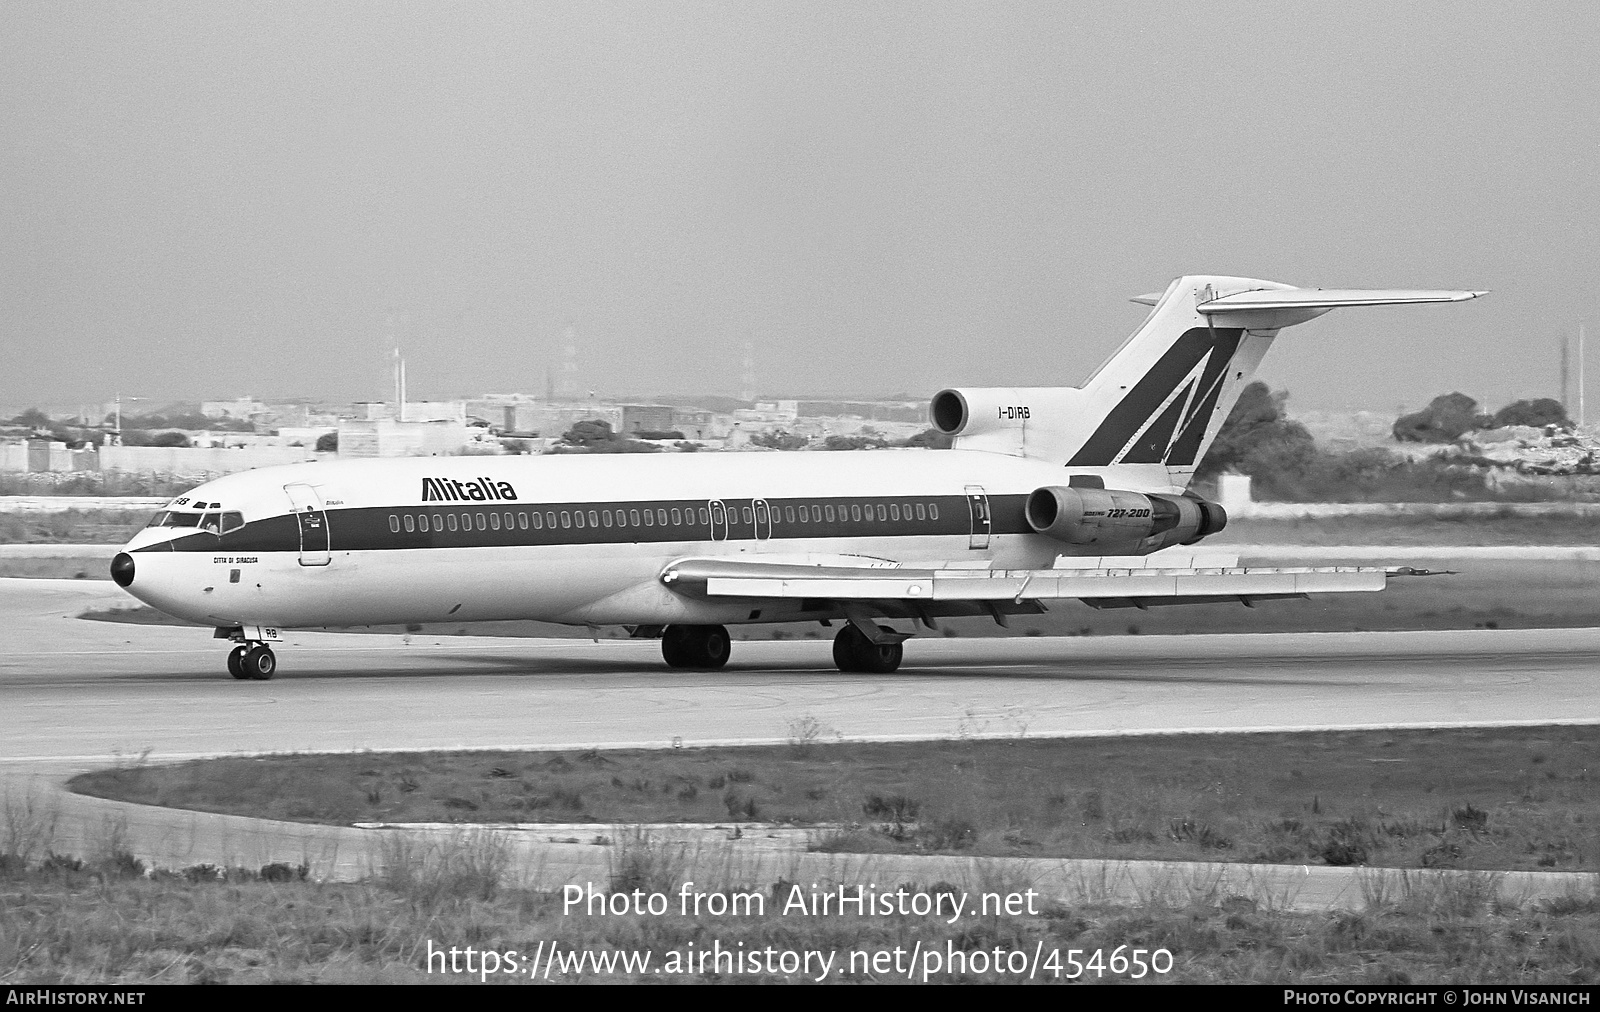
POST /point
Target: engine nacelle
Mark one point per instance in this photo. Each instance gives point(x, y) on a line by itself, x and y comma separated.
point(977, 410)
point(1119, 522)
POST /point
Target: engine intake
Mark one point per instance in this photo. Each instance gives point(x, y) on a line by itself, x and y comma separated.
point(1122, 523)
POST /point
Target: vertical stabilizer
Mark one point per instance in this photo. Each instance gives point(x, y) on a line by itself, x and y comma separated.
point(1152, 409)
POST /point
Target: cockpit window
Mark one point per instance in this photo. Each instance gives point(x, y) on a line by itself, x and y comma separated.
point(173, 518)
point(212, 520)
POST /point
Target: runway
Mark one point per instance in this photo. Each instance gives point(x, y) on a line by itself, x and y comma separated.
point(81, 691)
point(78, 694)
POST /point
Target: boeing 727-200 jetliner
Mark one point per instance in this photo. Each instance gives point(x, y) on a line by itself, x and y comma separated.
point(1050, 494)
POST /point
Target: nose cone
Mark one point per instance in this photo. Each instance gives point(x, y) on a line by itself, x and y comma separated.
point(122, 569)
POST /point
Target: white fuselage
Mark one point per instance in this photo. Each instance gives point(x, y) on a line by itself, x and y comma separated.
point(340, 544)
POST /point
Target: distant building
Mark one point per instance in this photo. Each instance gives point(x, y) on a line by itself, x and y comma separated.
point(245, 409)
point(697, 423)
point(385, 437)
point(500, 410)
point(551, 420)
point(647, 418)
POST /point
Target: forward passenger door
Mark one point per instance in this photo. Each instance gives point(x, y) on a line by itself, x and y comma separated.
point(313, 521)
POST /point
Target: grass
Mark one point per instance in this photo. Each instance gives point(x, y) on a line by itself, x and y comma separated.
point(100, 483)
point(1511, 798)
point(72, 527)
point(66, 921)
point(109, 919)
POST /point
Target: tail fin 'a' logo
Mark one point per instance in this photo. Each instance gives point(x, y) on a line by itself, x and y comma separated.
point(1163, 419)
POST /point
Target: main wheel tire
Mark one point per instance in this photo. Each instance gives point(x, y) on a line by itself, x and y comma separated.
point(704, 647)
point(677, 646)
point(713, 647)
point(847, 653)
point(236, 663)
point(885, 658)
point(853, 652)
point(260, 663)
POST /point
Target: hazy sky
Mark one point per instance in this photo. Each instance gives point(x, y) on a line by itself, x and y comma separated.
point(208, 200)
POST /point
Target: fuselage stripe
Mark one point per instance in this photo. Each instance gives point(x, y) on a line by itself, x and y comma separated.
point(471, 525)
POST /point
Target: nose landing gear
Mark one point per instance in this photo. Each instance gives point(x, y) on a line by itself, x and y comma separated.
point(252, 662)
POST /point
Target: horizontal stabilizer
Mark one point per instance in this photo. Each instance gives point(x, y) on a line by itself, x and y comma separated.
point(1330, 298)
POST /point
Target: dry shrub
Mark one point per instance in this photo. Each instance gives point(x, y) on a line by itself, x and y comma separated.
point(434, 870)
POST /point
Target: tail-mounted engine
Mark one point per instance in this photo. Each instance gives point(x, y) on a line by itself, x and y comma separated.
point(1122, 523)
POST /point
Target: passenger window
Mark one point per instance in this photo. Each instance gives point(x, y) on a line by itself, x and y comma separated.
point(577, 516)
point(566, 519)
point(705, 515)
point(816, 514)
point(494, 521)
point(883, 512)
point(538, 521)
point(411, 523)
point(677, 517)
point(933, 511)
point(622, 518)
point(661, 517)
point(483, 524)
point(649, 518)
point(438, 521)
point(550, 520)
point(894, 511)
point(522, 520)
point(594, 518)
point(510, 520)
point(633, 517)
point(394, 524)
point(452, 518)
point(921, 513)
point(422, 522)
point(855, 512)
point(749, 516)
point(830, 514)
point(605, 517)
point(805, 515)
point(788, 514)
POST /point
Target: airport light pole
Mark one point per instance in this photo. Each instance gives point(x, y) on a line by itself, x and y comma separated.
point(116, 433)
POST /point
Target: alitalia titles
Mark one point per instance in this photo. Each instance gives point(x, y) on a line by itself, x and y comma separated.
point(476, 490)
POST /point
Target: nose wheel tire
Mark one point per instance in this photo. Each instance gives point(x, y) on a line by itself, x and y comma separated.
point(703, 647)
point(853, 652)
point(258, 663)
point(236, 663)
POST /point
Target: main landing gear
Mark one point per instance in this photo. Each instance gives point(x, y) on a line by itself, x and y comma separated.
point(853, 652)
point(252, 661)
point(695, 646)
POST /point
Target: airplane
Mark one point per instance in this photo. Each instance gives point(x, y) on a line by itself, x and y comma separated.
point(1048, 494)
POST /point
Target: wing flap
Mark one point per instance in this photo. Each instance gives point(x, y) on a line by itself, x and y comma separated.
point(720, 578)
